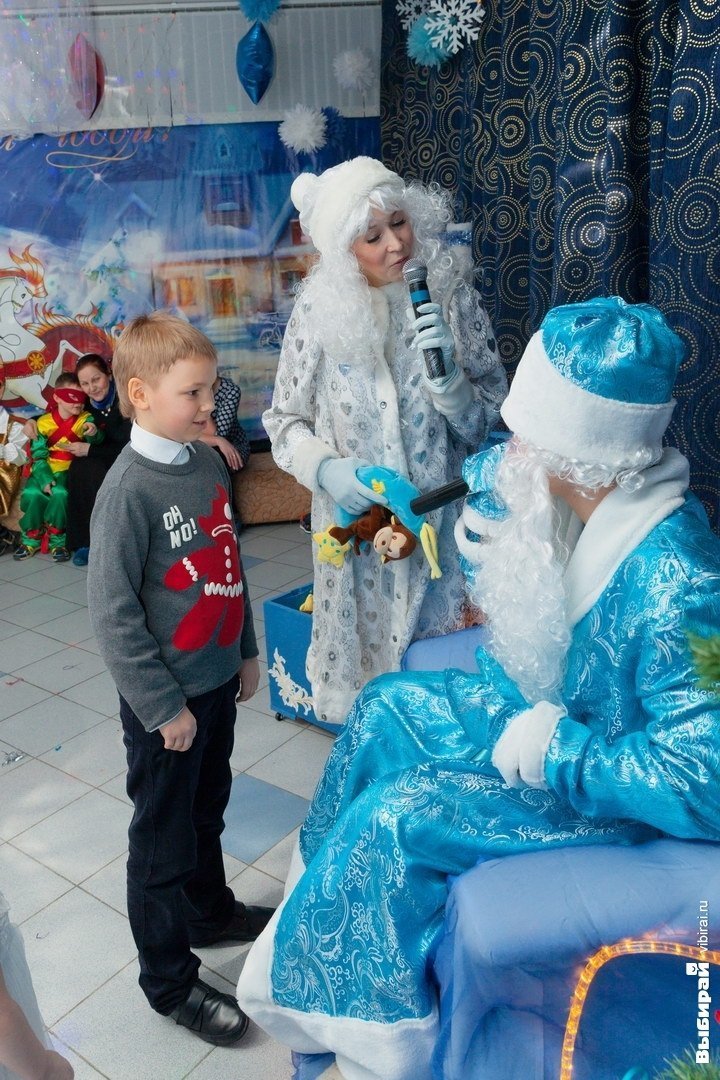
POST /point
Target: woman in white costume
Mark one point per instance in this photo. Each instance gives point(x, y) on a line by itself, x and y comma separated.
point(351, 389)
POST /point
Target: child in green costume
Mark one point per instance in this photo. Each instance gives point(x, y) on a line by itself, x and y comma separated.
point(44, 498)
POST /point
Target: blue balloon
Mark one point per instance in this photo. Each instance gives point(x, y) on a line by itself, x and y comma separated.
point(255, 61)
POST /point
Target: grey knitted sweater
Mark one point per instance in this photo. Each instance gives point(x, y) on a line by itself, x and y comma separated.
point(167, 595)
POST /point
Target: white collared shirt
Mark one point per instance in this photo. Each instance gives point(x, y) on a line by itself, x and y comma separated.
point(157, 448)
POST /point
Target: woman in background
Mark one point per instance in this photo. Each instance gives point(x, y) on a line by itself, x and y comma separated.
point(352, 389)
point(91, 463)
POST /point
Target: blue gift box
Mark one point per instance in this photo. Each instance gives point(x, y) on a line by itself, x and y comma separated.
point(287, 639)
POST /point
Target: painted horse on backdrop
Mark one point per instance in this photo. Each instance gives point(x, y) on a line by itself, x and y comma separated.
point(33, 353)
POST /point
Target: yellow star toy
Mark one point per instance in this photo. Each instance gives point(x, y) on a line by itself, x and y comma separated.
point(330, 550)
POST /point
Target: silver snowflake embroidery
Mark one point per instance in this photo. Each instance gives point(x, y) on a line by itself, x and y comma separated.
point(291, 693)
point(453, 23)
point(410, 10)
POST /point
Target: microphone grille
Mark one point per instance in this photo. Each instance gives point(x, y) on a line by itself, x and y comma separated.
point(414, 271)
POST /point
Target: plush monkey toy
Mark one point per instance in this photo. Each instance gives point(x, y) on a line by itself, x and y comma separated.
point(381, 529)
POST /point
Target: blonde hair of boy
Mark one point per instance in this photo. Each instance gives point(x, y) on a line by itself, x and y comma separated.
point(149, 346)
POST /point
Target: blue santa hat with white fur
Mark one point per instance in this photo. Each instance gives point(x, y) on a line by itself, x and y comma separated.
point(595, 383)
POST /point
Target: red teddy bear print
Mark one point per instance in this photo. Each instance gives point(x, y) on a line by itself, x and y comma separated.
point(221, 602)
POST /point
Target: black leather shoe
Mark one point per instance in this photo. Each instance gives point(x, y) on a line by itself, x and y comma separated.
point(215, 1017)
point(247, 923)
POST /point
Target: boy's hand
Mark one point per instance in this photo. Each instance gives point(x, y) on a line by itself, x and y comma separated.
point(180, 732)
point(89, 428)
point(48, 488)
point(30, 429)
point(249, 678)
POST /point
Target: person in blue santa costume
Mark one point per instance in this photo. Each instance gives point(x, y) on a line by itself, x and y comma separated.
point(584, 724)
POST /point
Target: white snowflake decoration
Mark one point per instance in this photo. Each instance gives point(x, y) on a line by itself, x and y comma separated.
point(354, 70)
point(453, 23)
point(303, 130)
point(410, 10)
point(291, 693)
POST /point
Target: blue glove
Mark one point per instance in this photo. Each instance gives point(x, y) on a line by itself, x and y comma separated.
point(432, 332)
point(338, 476)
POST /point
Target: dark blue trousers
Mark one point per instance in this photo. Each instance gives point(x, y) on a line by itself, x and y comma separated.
point(176, 879)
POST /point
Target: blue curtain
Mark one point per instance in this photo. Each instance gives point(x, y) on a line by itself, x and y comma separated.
point(583, 142)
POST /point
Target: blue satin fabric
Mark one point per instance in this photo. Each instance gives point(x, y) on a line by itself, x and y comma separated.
point(404, 802)
point(612, 349)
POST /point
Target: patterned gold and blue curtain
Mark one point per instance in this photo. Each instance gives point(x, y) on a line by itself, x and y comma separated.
point(583, 141)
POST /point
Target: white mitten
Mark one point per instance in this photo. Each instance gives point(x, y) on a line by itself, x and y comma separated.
point(519, 754)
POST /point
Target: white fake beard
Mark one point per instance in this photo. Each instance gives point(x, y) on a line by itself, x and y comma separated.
point(519, 584)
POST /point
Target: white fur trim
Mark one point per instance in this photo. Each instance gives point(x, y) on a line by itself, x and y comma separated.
point(325, 202)
point(519, 754)
point(296, 869)
point(616, 527)
point(473, 550)
point(380, 310)
point(452, 397)
point(307, 459)
point(469, 549)
point(550, 411)
point(366, 1050)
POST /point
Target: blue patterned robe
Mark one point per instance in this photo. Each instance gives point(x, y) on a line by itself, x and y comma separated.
point(407, 799)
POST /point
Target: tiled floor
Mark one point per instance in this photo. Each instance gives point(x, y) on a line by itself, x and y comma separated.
point(64, 818)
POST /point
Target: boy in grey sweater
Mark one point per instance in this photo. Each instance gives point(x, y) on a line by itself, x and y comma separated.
point(169, 608)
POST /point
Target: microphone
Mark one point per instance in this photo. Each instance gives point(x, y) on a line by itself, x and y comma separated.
point(415, 274)
point(431, 500)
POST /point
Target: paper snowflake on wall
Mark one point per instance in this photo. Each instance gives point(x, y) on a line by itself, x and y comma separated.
point(303, 129)
point(453, 23)
point(421, 49)
point(410, 10)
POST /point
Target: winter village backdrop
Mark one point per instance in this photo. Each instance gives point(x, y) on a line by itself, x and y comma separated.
point(146, 158)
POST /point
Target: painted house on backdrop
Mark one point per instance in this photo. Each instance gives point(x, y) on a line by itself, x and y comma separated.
point(234, 272)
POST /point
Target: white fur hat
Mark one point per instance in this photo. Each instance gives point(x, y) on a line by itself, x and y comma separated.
point(595, 383)
point(326, 201)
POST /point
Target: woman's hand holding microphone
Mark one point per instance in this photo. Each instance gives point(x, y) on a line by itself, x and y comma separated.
point(452, 392)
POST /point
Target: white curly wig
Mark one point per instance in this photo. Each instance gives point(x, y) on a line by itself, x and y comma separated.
point(518, 571)
point(335, 289)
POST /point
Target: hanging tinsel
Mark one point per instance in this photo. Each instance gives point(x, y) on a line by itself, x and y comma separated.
point(354, 70)
point(303, 130)
point(259, 10)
